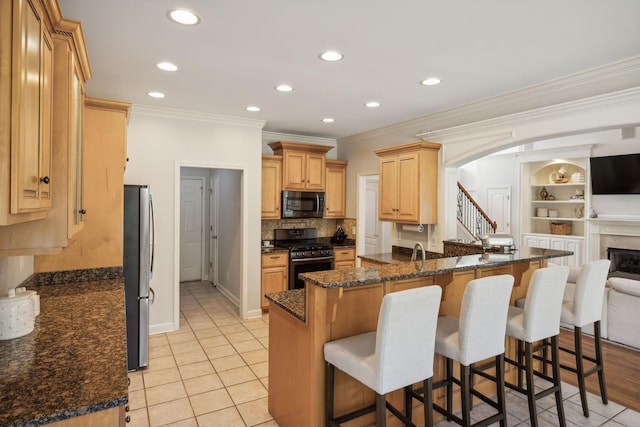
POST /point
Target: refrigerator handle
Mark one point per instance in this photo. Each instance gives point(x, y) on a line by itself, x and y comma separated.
point(153, 236)
point(153, 295)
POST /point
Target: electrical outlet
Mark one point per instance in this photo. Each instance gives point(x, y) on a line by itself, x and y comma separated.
point(353, 230)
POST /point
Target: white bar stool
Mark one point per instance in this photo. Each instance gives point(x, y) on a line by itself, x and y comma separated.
point(398, 354)
point(478, 334)
point(586, 308)
point(538, 321)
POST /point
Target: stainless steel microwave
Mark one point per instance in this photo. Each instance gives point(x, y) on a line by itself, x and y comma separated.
point(302, 204)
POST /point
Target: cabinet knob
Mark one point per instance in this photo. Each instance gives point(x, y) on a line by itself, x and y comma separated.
point(126, 408)
point(82, 211)
point(128, 418)
point(45, 179)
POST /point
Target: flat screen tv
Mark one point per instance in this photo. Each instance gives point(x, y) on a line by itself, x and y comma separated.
point(615, 174)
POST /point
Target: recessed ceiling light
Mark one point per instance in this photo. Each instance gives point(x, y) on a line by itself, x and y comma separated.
point(253, 108)
point(167, 66)
point(331, 56)
point(156, 95)
point(284, 88)
point(328, 120)
point(372, 104)
point(431, 81)
point(183, 16)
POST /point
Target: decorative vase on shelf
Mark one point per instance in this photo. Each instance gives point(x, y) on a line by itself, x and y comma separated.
point(544, 193)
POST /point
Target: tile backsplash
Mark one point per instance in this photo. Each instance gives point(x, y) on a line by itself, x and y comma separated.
point(325, 227)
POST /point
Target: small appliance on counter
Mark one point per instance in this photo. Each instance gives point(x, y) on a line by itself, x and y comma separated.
point(339, 236)
point(498, 243)
point(18, 311)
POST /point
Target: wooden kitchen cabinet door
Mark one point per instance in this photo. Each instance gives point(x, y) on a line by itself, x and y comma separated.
point(274, 275)
point(271, 186)
point(294, 172)
point(26, 55)
point(409, 183)
point(315, 171)
point(335, 197)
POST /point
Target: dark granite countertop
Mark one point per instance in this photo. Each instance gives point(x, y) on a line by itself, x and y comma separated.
point(292, 301)
point(74, 362)
point(386, 258)
point(410, 270)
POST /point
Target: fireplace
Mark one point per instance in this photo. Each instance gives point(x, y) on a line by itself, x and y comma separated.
point(624, 263)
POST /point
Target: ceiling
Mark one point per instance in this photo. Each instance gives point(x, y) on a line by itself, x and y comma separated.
point(242, 49)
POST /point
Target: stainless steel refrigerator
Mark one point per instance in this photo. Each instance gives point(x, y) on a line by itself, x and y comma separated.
point(138, 269)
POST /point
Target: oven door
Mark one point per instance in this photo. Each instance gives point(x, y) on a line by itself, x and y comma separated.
point(306, 265)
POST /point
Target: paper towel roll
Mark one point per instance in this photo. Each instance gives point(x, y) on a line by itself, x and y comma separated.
point(416, 228)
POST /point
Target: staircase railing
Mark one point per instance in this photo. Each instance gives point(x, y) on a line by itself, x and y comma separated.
point(472, 217)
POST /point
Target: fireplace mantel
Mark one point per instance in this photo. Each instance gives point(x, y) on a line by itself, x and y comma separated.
point(623, 225)
point(610, 225)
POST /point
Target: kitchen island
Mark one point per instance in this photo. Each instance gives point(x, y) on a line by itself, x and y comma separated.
point(72, 369)
point(340, 303)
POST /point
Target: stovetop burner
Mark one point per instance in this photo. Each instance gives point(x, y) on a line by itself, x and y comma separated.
point(302, 243)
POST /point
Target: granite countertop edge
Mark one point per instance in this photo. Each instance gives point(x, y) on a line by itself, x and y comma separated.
point(292, 301)
point(415, 269)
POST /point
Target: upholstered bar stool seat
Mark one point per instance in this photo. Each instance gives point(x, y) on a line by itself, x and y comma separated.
point(398, 354)
point(536, 322)
point(478, 334)
point(583, 310)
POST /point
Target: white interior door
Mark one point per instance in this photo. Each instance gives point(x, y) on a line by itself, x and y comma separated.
point(213, 232)
point(499, 208)
point(372, 226)
point(191, 228)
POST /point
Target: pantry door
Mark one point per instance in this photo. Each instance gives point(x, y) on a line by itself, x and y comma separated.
point(191, 228)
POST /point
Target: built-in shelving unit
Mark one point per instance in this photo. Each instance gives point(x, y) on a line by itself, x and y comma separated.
point(555, 191)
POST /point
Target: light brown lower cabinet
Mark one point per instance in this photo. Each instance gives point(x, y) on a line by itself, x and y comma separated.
point(275, 274)
point(113, 417)
point(344, 258)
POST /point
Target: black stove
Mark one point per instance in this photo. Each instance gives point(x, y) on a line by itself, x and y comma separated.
point(307, 252)
point(302, 243)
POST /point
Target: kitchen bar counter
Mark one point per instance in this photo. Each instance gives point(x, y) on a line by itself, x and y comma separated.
point(73, 363)
point(411, 270)
point(341, 303)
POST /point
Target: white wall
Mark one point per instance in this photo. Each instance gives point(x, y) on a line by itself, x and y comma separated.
point(230, 232)
point(159, 144)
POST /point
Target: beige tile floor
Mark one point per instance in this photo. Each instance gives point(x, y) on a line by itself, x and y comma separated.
point(213, 372)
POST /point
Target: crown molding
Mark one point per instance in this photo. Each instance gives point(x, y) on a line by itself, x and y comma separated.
point(147, 110)
point(461, 133)
point(278, 136)
point(610, 78)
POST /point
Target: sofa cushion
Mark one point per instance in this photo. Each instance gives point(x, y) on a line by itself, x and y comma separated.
point(625, 286)
point(624, 317)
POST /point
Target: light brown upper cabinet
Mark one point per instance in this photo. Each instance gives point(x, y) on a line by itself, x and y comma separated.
point(105, 142)
point(409, 183)
point(26, 56)
point(65, 217)
point(336, 195)
point(303, 165)
point(271, 186)
point(71, 72)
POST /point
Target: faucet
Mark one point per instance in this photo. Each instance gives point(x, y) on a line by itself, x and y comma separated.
point(415, 252)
